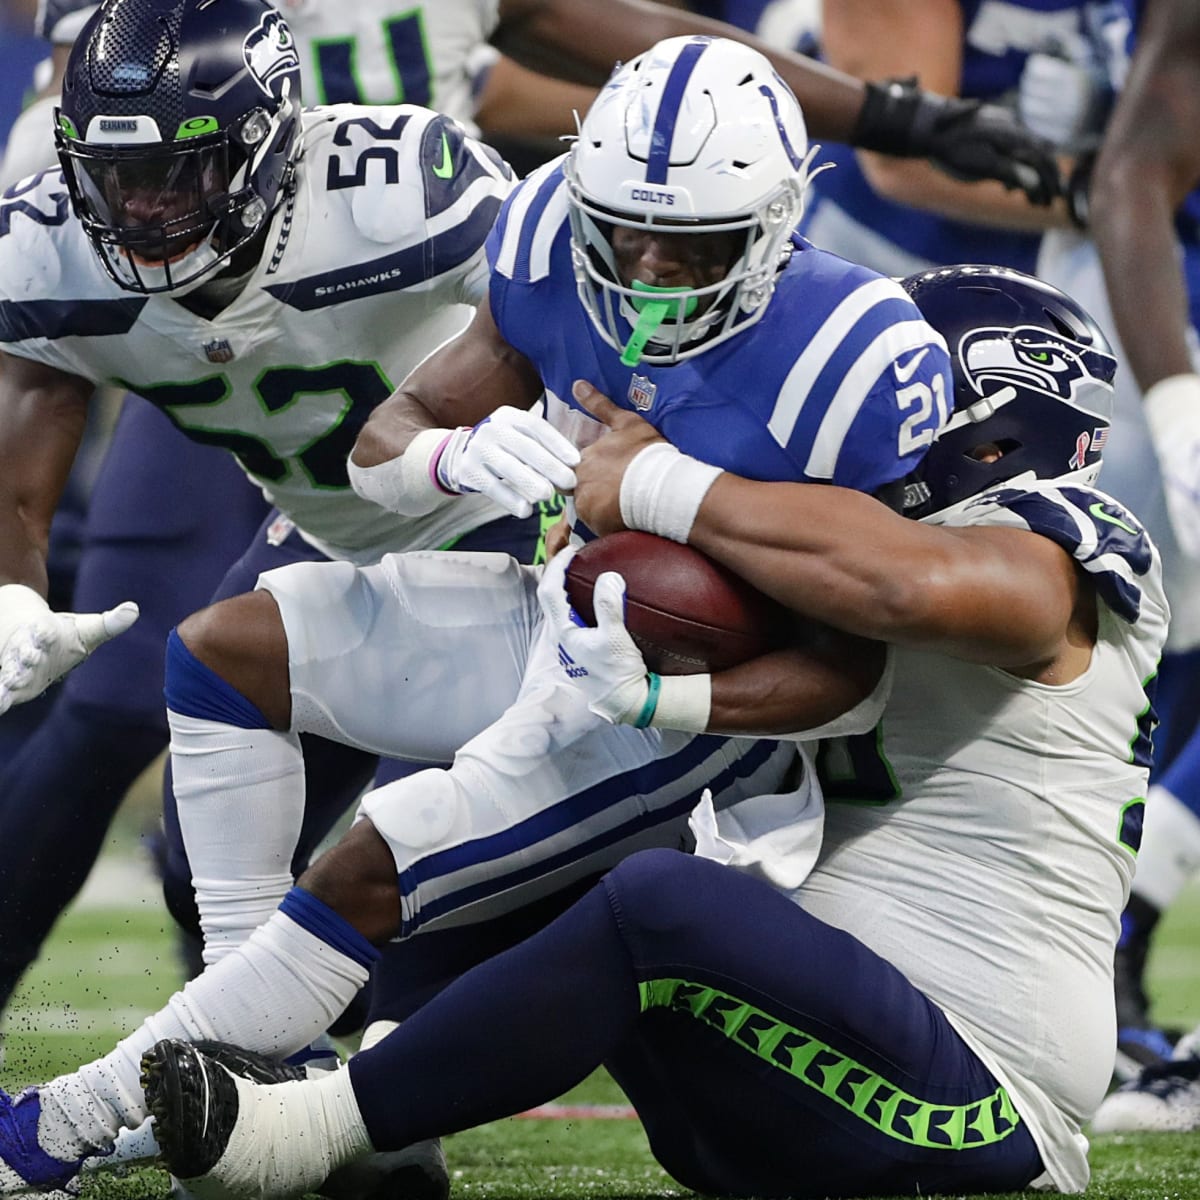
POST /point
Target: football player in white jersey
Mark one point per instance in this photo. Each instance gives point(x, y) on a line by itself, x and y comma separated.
point(432, 654)
point(293, 265)
point(927, 1012)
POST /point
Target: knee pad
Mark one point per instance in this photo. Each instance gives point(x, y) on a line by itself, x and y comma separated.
point(192, 689)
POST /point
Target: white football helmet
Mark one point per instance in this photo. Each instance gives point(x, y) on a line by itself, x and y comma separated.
point(699, 134)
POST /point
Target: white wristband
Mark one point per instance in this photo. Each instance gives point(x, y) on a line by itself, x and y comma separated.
point(662, 490)
point(406, 485)
point(684, 702)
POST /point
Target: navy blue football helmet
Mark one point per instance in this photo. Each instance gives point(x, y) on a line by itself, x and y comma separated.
point(1032, 376)
point(178, 133)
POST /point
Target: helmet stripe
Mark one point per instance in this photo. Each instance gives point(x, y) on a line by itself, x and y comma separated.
point(796, 161)
point(668, 110)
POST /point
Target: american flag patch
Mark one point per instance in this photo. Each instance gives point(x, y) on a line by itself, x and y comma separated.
point(1099, 439)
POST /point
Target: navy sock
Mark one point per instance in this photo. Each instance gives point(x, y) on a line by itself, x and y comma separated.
point(58, 796)
point(516, 1031)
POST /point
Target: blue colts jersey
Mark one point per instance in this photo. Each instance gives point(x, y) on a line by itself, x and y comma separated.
point(998, 36)
point(841, 381)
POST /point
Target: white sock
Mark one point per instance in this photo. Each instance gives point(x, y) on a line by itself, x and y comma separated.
point(274, 995)
point(290, 1136)
point(1170, 851)
point(240, 796)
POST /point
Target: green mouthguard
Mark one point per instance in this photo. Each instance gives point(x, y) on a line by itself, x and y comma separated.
point(653, 309)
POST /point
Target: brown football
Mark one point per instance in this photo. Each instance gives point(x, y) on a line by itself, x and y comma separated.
point(687, 613)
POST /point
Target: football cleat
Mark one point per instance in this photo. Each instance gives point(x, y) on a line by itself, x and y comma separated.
point(24, 1165)
point(222, 1135)
point(1164, 1098)
point(248, 1064)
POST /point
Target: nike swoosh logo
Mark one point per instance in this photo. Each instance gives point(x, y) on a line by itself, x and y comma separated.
point(1097, 511)
point(909, 369)
point(445, 168)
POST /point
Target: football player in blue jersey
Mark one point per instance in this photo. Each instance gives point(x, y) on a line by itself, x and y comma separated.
point(928, 1010)
point(698, 306)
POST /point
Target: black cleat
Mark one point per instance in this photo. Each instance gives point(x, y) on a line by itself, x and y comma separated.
point(194, 1103)
point(248, 1064)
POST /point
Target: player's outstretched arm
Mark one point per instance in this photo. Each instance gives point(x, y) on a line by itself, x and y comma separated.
point(461, 422)
point(972, 141)
point(923, 39)
point(1149, 161)
point(42, 415)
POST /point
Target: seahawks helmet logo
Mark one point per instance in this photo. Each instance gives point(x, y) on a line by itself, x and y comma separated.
point(1027, 357)
point(270, 53)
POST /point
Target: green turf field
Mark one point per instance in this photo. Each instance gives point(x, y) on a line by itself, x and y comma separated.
point(111, 961)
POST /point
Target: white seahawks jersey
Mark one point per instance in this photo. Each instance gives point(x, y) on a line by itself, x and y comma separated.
point(370, 267)
point(983, 837)
point(362, 52)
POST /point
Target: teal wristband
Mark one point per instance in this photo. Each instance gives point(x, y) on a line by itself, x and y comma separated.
point(647, 714)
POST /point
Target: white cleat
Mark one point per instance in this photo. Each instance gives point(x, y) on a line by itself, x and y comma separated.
point(1164, 1098)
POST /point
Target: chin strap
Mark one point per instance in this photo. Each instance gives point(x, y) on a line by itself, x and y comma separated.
point(653, 309)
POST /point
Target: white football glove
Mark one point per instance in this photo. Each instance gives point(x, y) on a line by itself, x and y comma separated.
point(38, 646)
point(1062, 101)
point(514, 457)
point(602, 662)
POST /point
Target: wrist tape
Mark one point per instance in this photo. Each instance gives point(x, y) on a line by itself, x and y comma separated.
point(662, 490)
point(408, 484)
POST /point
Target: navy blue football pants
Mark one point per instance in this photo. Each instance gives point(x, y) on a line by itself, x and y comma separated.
point(766, 1052)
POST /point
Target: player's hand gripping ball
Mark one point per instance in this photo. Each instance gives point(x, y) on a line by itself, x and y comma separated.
point(686, 613)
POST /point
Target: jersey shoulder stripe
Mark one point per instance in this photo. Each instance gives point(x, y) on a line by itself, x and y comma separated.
point(1100, 534)
point(24, 320)
point(536, 212)
point(393, 272)
point(877, 359)
point(826, 347)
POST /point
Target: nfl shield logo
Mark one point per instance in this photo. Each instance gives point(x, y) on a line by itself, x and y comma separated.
point(642, 392)
point(218, 351)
